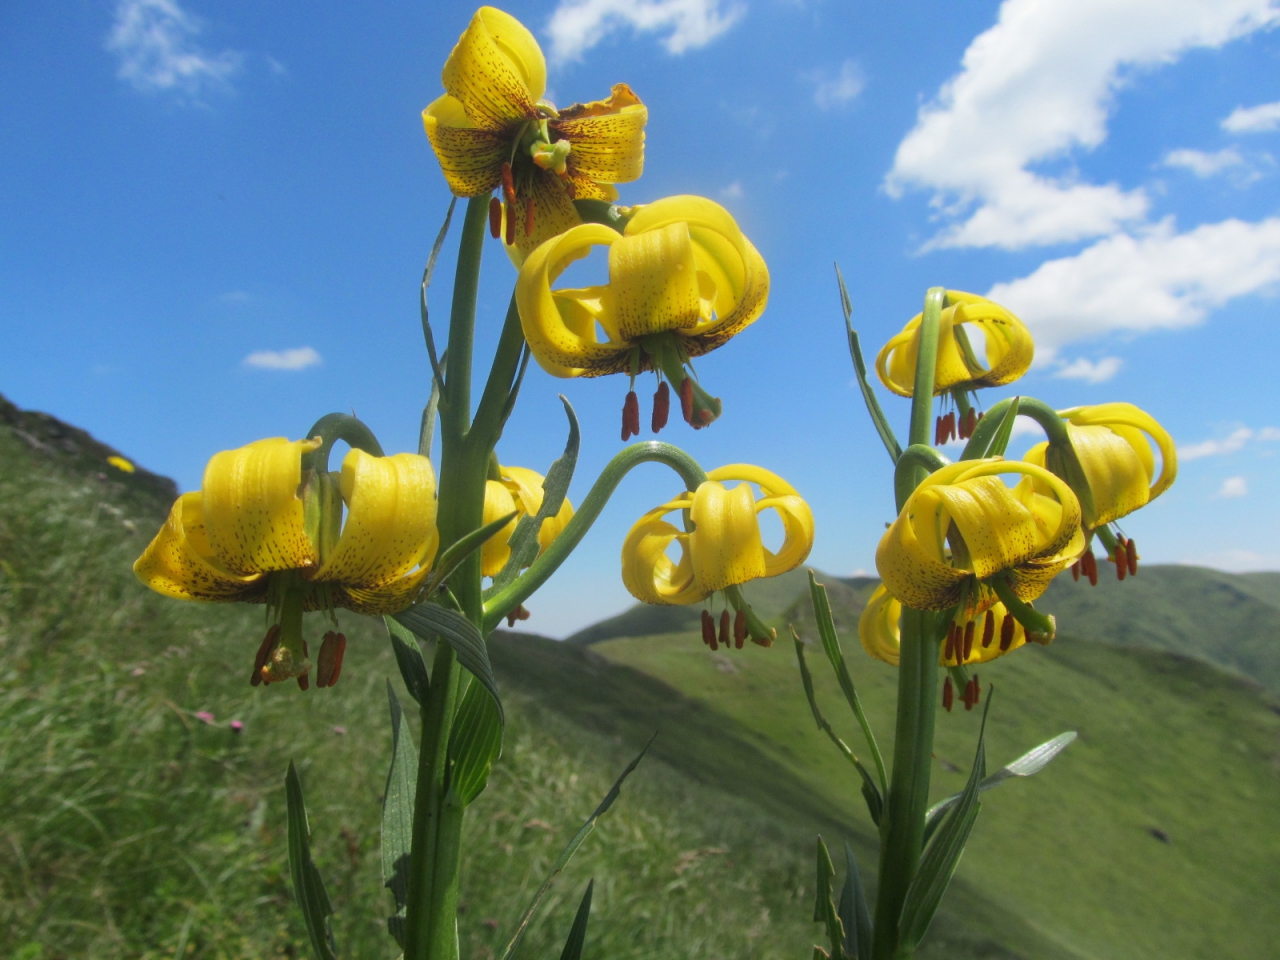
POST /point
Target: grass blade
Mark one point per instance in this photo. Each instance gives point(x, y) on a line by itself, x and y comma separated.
point(824, 908)
point(308, 888)
point(578, 933)
point(570, 849)
point(878, 418)
point(397, 815)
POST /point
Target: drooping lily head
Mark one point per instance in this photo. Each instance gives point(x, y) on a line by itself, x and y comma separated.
point(720, 546)
point(492, 129)
point(261, 529)
point(682, 280)
point(518, 491)
point(970, 641)
point(965, 539)
point(1007, 346)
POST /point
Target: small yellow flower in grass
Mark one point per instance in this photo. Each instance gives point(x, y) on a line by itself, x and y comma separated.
point(682, 280)
point(263, 530)
point(965, 539)
point(519, 491)
point(121, 464)
point(722, 550)
point(493, 129)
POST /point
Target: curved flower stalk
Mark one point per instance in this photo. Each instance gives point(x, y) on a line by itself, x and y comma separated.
point(1009, 350)
point(723, 550)
point(493, 129)
point(1112, 443)
point(965, 539)
point(682, 280)
point(520, 492)
point(971, 641)
point(263, 530)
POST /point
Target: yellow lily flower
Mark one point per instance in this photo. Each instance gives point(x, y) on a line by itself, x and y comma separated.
point(248, 536)
point(682, 280)
point(963, 528)
point(724, 548)
point(1009, 348)
point(974, 640)
point(1113, 441)
point(519, 491)
point(492, 128)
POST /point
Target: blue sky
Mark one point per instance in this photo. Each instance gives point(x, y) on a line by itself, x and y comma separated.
point(213, 218)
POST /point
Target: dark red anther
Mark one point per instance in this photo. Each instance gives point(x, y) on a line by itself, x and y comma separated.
point(977, 691)
point(968, 639)
point(937, 431)
point(708, 629)
point(1089, 567)
point(988, 629)
point(303, 682)
point(264, 651)
point(512, 616)
point(1131, 557)
point(739, 628)
point(528, 217)
point(1075, 571)
point(329, 663)
point(1121, 559)
point(661, 407)
point(967, 699)
point(726, 628)
point(1006, 633)
point(495, 217)
point(522, 613)
point(951, 425)
point(510, 237)
point(508, 185)
point(686, 400)
point(948, 694)
point(949, 648)
point(630, 416)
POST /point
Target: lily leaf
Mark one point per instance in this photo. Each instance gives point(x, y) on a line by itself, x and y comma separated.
point(459, 550)
point(878, 418)
point(524, 542)
point(429, 620)
point(578, 933)
point(570, 849)
point(475, 742)
point(942, 856)
point(413, 669)
point(854, 914)
point(308, 888)
point(397, 815)
point(824, 909)
point(1033, 761)
point(987, 442)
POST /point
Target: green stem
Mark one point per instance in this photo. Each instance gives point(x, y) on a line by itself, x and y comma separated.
point(486, 429)
point(1039, 411)
point(456, 402)
point(1040, 627)
point(926, 365)
point(913, 461)
point(519, 590)
point(902, 826)
point(333, 427)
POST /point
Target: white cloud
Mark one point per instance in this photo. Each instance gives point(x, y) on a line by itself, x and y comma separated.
point(1162, 280)
point(1034, 87)
point(1232, 443)
point(298, 358)
point(839, 90)
point(733, 191)
point(1269, 434)
point(1090, 371)
point(1233, 487)
point(154, 41)
point(1203, 164)
point(1237, 561)
point(1259, 119)
point(578, 25)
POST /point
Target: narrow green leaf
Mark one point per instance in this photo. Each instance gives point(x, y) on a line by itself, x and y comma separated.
point(854, 914)
point(524, 542)
point(578, 933)
point(824, 908)
point(831, 646)
point(437, 364)
point(459, 550)
point(942, 856)
point(980, 447)
point(308, 888)
point(413, 669)
point(878, 419)
point(570, 849)
point(875, 803)
point(397, 815)
point(429, 620)
point(476, 741)
point(1033, 761)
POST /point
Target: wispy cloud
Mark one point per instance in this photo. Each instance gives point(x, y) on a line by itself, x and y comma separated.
point(1162, 280)
point(578, 25)
point(154, 41)
point(838, 89)
point(1035, 87)
point(1237, 560)
point(1259, 119)
point(298, 358)
point(1203, 164)
point(1232, 443)
point(1233, 487)
point(733, 191)
point(1090, 371)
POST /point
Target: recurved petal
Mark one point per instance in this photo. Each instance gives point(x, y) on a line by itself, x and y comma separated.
point(471, 158)
point(252, 513)
point(653, 283)
point(878, 626)
point(1009, 345)
point(526, 486)
point(382, 600)
point(496, 70)
point(1126, 415)
point(553, 214)
point(495, 552)
point(179, 563)
point(647, 572)
point(1118, 474)
point(797, 518)
point(725, 545)
point(896, 361)
point(606, 137)
point(390, 528)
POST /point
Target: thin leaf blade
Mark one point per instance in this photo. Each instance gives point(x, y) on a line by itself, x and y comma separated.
point(578, 932)
point(854, 912)
point(308, 887)
point(878, 419)
point(397, 815)
point(429, 620)
point(475, 743)
point(413, 669)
